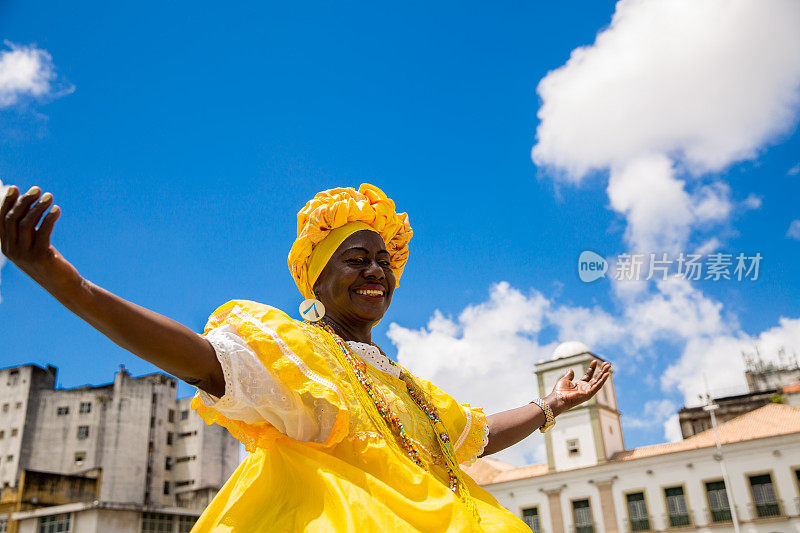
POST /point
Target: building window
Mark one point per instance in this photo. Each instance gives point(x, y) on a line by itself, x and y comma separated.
point(3, 525)
point(168, 463)
point(187, 434)
point(86, 407)
point(184, 483)
point(185, 523)
point(531, 518)
point(2, 434)
point(582, 515)
point(83, 432)
point(171, 416)
point(18, 405)
point(80, 457)
point(764, 500)
point(14, 432)
point(63, 410)
point(677, 510)
point(58, 523)
point(184, 414)
point(719, 510)
point(637, 512)
point(13, 378)
point(5, 407)
point(169, 438)
point(156, 523)
point(166, 488)
point(573, 447)
point(185, 458)
point(9, 458)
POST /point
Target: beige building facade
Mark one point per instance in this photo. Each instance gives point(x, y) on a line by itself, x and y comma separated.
point(591, 483)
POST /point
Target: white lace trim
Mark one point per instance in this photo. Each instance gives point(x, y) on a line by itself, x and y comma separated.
point(373, 356)
point(307, 372)
point(467, 427)
point(253, 394)
point(474, 458)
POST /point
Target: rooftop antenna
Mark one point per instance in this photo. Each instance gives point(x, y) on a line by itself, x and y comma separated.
point(710, 407)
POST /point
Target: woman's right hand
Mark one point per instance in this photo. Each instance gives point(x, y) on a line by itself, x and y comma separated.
point(145, 333)
point(28, 247)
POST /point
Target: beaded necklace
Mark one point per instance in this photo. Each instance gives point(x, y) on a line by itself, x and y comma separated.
point(456, 484)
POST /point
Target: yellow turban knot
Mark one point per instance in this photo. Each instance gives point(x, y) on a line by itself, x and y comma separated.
point(368, 208)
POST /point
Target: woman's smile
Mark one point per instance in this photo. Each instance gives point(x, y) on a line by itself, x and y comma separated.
point(371, 292)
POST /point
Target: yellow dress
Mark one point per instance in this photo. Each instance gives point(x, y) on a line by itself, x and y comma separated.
point(346, 476)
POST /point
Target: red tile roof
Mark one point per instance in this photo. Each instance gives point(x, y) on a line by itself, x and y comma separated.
point(768, 421)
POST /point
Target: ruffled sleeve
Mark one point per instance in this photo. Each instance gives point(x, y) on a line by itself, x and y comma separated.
point(466, 425)
point(275, 384)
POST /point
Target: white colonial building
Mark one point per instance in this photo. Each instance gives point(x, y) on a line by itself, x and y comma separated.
point(591, 483)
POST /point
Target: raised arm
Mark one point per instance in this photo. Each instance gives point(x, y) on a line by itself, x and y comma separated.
point(509, 427)
point(155, 338)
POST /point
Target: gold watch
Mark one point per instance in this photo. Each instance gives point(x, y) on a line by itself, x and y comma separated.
point(549, 417)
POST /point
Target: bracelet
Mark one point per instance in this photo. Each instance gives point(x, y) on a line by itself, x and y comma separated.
point(549, 417)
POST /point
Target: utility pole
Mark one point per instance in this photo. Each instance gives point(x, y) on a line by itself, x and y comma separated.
point(710, 407)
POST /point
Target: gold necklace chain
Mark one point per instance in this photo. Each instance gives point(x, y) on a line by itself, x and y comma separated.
point(456, 483)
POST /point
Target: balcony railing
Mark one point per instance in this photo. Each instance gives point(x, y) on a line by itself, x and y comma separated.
point(583, 528)
point(766, 509)
point(678, 520)
point(716, 516)
point(639, 524)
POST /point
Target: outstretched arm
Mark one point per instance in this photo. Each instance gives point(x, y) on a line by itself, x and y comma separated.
point(509, 427)
point(155, 338)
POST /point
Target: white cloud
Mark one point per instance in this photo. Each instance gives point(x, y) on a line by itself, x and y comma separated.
point(672, 88)
point(752, 202)
point(794, 230)
point(794, 171)
point(486, 355)
point(678, 311)
point(672, 429)
point(654, 413)
point(25, 71)
point(718, 359)
point(655, 203)
point(489, 346)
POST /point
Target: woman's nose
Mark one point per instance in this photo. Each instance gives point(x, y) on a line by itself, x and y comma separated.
point(373, 269)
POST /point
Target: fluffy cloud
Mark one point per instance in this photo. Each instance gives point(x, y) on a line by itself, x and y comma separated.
point(672, 88)
point(719, 360)
point(794, 230)
point(489, 345)
point(495, 344)
point(655, 413)
point(25, 71)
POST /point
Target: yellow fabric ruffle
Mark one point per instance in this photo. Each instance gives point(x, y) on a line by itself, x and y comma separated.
point(355, 480)
point(336, 207)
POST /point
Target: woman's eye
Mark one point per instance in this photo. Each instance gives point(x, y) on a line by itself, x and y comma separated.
point(357, 260)
point(385, 263)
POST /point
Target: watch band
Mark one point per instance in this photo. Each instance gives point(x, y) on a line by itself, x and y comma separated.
point(549, 417)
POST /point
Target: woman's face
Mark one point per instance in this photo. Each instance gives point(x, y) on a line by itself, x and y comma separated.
point(357, 283)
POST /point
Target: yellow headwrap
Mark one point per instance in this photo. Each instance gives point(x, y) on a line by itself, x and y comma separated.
point(332, 216)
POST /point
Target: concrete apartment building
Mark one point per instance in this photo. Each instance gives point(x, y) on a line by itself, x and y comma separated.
point(592, 483)
point(144, 460)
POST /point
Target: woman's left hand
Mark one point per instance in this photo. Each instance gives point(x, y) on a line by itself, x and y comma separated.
point(570, 393)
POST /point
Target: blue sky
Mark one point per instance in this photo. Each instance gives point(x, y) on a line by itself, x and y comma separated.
point(180, 140)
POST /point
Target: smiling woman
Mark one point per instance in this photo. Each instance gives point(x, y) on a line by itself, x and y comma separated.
point(341, 438)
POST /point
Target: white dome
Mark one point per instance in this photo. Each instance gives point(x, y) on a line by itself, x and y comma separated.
point(570, 348)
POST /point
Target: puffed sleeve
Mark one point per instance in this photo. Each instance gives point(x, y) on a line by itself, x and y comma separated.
point(275, 383)
point(466, 425)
